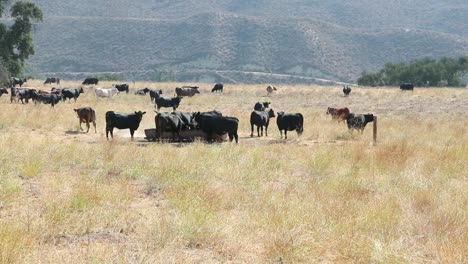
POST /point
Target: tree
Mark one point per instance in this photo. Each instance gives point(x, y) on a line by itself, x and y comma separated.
point(16, 43)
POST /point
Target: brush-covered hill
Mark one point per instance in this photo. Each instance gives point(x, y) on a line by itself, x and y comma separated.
point(237, 41)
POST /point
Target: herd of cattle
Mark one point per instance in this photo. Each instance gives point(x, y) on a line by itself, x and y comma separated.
point(213, 123)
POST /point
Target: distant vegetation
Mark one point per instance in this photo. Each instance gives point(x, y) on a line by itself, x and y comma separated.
point(421, 72)
point(16, 39)
point(109, 77)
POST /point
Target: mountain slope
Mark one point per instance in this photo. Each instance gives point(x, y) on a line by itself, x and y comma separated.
point(335, 40)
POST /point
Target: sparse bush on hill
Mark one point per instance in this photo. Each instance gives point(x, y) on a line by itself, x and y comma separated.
point(422, 72)
point(109, 77)
point(163, 75)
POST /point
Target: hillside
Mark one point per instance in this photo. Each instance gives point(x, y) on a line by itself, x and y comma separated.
point(210, 40)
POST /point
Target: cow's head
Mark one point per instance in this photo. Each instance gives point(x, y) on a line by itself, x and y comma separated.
point(139, 114)
point(369, 118)
point(81, 90)
point(271, 113)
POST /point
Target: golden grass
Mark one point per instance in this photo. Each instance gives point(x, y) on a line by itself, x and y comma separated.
point(328, 196)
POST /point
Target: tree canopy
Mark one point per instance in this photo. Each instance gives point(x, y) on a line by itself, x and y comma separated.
point(421, 72)
point(16, 43)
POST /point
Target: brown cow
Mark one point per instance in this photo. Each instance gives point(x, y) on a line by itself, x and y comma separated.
point(270, 89)
point(340, 114)
point(86, 115)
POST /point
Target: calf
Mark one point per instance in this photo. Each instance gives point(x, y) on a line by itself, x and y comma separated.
point(3, 91)
point(359, 121)
point(122, 121)
point(90, 81)
point(186, 91)
point(290, 122)
point(142, 91)
point(101, 92)
point(270, 89)
point(339, 114)
point(121, 87)
point(218, 87)
point(261, 106)
point(260, 119)
point(214, 124)
point(167, 102)
point(70, 93)
point(86, 115)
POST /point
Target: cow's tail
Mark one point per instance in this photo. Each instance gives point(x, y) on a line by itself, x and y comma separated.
point(300, 129)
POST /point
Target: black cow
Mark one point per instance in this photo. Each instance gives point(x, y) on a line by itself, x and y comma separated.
point(22, 94)
point(56, 90)
point(213, 124)
point(3, 91)
point(217, 87)
point(187, 119)
point(52, 80)
point(167, 102)
point(260, 119)
point(86, 115)
point(89, 81)
point(51, 99)
point(154, 94)
point(186, 91)
point(346, 90)
point(168, 122)
point(359, 121)
point(142, 91)
point(122, 121)
point(69, 93)
point(17, 81)
point(121, 87)
point(290, 122)
point(261, 106)
point(407, 86)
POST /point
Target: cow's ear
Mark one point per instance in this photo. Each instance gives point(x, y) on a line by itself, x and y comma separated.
point(143, 113)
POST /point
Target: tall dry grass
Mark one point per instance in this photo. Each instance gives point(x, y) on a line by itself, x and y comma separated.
point(328, 196)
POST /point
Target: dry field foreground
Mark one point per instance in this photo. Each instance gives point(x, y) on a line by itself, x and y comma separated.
point(328, 196)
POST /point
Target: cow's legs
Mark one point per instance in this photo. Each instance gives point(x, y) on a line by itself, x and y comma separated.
point(236, 137)
point(285, 134)
point(251, 129)
point(261, 130)
point(109, 129)
point(258, 131)
point(281, 134)
point(131, 133)
point(94, 124)
point(87, 125)
point(266, 130)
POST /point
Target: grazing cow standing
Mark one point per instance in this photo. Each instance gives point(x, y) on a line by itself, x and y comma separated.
point(359, 121)
point(260, 119)
point(261, 106)
point(218, 87)
point(89, 81)
point(214, 124)
point(168, 121)
point(101, 92)
point(346, 90)
point(186, 91)
point(50, 80)
point(154, 94)
point(44, 98)
point(122, 121)
point(167, 102)
point(17, 81)
point(86, 115)
point(338, 113)
point(290, 122)
point(22, 94)
point(270, 90)
point(407, 86)
point(121, 87)
point(70, 93)
point(3, 91)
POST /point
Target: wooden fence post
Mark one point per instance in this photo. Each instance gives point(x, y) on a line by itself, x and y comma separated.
point(375, 130)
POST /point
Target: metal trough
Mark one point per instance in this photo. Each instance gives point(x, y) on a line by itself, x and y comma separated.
point(186, 135)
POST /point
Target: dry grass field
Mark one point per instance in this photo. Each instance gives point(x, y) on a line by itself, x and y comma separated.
point(328, 196)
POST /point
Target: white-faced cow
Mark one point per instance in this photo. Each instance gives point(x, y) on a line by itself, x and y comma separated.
point(122, 121)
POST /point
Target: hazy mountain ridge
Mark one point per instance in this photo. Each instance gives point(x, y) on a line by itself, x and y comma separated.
point(240, 35)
